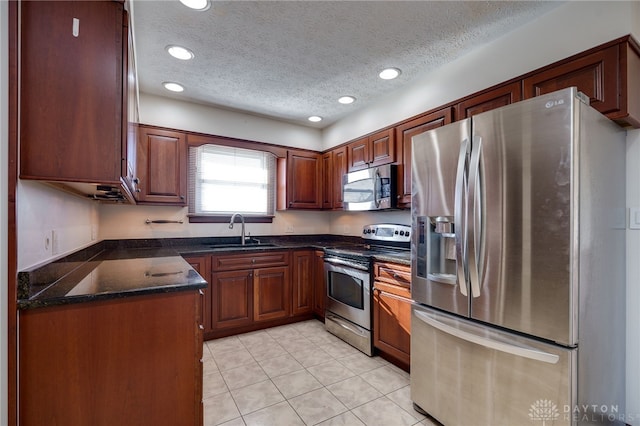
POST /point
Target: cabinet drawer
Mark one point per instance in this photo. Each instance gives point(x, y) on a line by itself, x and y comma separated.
point(392, 273)
point(396, 290)
point(249, 260)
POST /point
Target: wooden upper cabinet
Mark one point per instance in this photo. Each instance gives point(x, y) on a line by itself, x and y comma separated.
point(488, 100)
point(71, 91)
point(327, 180)
point(607, 76)
point(339, 168)
point(300, 180)
point(162, 166)
point(404, 133)
point(373, 150)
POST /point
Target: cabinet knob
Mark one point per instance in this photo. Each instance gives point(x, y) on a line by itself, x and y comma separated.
point(253, 261)
point(182, 197)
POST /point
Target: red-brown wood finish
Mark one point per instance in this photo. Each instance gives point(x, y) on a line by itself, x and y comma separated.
point(340, 166)
point(392, 312)
point(596, 75)
point(162, 166)
point(327, 180)
point(488, 100)
point(232, 293)
point(404, 133)
point(202, 264)
point(303, 180)
point(271, 293)
point(131, 361)
point(302, 285)
point(71, 91)
point(374, 150)
point(319, 286)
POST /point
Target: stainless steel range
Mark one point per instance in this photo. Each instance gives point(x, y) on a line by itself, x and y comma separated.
point(348, 271)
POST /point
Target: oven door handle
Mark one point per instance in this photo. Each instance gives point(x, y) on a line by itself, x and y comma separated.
point(342, 262)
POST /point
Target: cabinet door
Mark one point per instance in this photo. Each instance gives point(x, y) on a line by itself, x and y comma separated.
point(404, 134)
point(162, 166)
point(392, 324)
point(319, 286)
point(373, 150)
point(596, 75)
point(358, 154)
point(271, 293)
point(486, 101)
point(232, 293)
point(202, 264)
point(302, 283)
point(327, 180)
point(340, 166)
point(304, 179)
point(382, 148)
point(71, 88)
point(125, 361)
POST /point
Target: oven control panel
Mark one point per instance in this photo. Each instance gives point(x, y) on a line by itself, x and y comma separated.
point(387, 232)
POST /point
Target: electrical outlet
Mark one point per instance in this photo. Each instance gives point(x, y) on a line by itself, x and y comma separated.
point(94, 232)
point(47, 242)
point(55, 242)
point(289, 229)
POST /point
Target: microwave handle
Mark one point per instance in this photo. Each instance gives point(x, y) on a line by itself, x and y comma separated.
point(376, 188)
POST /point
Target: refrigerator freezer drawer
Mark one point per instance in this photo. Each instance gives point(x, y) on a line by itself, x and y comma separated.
point(463, 373)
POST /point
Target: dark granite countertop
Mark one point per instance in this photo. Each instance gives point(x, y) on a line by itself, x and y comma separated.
point(121, 268)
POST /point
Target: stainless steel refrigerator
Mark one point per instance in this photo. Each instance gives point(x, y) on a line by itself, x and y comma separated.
point(518, 266)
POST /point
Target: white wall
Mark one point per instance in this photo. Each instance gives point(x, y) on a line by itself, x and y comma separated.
point(4, 143)
point(124, 221)
point(41, 210)
point(570, 28)
point(165, 112)
point(633, 279)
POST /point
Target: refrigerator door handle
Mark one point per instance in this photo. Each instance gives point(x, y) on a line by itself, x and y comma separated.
point(460, 219)
point(474, 199)
point(509, 348)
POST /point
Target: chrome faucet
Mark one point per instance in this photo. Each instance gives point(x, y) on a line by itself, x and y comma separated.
point(233, 218)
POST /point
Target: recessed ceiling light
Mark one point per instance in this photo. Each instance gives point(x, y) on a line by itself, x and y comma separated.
point(347, 99)
point(180, 52)
point(389, 73)
point(174, 87)
point(197, 4)
point(314, 118)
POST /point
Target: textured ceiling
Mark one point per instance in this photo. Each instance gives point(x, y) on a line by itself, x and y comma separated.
point(292, 59)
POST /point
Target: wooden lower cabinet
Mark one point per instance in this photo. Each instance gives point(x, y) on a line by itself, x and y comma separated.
point(392, 312)
point(271, 293)
point(128, 361)
point(202, 265)
point(303, 281)
point(251, 291)
point(319, 284)
point(232, 294)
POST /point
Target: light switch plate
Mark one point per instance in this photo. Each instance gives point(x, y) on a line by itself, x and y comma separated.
point(634, 218)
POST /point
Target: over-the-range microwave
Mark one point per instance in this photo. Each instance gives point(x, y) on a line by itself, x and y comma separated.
point(370, 189)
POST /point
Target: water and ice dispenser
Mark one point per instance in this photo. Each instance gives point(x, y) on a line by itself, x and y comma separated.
point(436, 249)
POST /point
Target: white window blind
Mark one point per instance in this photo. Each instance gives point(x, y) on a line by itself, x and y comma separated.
point(225, 180)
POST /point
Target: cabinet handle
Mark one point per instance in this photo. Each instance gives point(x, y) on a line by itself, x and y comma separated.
point(253, 261)
point(201, 327)
point(182, 197)
point(201, 292)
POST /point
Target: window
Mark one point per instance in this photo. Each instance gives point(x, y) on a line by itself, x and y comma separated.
point(224, 180)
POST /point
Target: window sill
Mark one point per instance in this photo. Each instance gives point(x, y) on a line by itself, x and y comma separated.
point(227, 218)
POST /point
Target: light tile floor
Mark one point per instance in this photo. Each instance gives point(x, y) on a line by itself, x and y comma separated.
point(299, 374)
